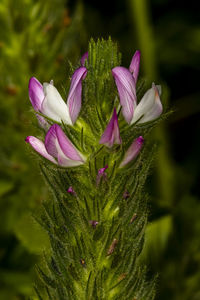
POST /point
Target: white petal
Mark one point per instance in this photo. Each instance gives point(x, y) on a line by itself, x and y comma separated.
point(66, 162)
point(150, 106)
point(154, 112)
point(54, 106)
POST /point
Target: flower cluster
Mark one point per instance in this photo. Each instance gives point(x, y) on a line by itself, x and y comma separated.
point(150, 106)
point(49, 105)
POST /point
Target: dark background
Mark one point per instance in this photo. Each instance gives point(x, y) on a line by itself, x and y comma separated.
point(39, 38)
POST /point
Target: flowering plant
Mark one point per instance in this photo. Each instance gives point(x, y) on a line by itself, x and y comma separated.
point(96, 159)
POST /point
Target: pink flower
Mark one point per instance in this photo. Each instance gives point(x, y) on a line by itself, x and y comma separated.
point(47, 100)
point(57, 148)
point(150, 106)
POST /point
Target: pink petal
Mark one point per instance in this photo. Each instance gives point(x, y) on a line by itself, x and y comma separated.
point(127, 91)
point(84, 58)
point(51, 141)
point(59, 146)
point(132, 151)
point(111, 134)
point(74, 97)
point(135, 65)
point(36, 93)
point(39, 147)
point(66, 145)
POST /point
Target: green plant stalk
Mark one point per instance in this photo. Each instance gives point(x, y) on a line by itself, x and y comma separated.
point(142, 24)
point(98, 261)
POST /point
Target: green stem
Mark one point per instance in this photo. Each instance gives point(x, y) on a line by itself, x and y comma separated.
point(165, 173)
point(140, 16)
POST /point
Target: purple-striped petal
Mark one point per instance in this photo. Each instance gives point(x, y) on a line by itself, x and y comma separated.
point(51, 142)
point(66, 145)
point(150, 106)
point(74, 97)
point(111, 134)
point(59, 146)
point(132, 151)
point(36, 93)
point(39, 147)
point(135, 65)
point(84, 58)
point(127, 91)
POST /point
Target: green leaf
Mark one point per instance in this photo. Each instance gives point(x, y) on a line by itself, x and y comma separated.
point(5, 187)
point(31, 234)
point(156, 237)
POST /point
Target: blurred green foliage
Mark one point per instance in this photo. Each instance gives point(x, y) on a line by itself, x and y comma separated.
point(39, 38)
point(36, 38)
